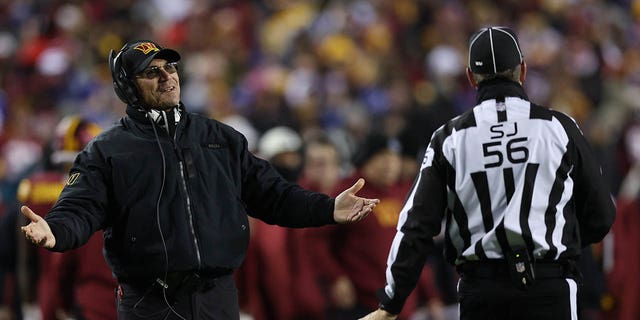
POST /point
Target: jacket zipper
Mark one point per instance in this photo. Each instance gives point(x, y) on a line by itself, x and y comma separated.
point(189, 213)
point(186, 192)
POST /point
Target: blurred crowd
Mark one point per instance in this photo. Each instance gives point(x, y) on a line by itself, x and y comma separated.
point(334, 72)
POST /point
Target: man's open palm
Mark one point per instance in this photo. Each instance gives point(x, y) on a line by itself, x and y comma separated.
point(351, 208)
point(37, 231)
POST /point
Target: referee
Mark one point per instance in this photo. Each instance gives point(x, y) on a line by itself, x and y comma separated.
point(520, 193)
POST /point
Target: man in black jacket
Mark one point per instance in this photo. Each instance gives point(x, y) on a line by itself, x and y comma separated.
point(172, 191)
point(520, 193)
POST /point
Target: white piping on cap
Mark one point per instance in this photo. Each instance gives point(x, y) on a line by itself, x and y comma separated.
point(514, 41)
point(493, 55)
point(473, 41)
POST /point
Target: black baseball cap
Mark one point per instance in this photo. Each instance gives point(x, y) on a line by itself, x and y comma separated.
point(137, 55)
point(493, 50)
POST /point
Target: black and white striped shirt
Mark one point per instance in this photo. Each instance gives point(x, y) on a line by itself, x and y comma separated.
point(506, 174)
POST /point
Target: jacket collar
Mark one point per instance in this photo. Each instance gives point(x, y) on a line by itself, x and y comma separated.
point(498, 89)
point(141, 116)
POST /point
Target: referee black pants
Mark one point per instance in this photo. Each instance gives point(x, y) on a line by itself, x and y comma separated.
point(219, 302)
point(498, 299)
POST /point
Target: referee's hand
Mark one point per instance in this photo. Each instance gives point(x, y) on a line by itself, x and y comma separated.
point(37, 231)
point(379, 315)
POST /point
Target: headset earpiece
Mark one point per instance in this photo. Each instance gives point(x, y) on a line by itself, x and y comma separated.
point(123, 86)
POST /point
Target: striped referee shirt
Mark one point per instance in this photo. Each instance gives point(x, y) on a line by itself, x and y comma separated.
point(506, 174)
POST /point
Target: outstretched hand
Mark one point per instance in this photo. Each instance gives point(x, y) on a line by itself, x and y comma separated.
point(351, 208)
point(379, 315)
point(37, 231)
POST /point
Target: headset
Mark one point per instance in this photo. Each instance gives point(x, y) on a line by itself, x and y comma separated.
point(123, 86)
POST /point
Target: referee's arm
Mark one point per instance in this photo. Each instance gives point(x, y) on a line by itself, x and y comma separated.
point(594, 205)
point(420, 220)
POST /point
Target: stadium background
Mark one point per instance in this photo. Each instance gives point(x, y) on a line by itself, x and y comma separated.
point(340, 67)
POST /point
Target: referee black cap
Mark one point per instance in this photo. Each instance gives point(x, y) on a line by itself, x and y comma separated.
point(493, 50)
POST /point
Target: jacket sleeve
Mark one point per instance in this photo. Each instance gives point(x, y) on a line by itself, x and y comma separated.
point(595, 208)
point(81, 208)
point(274, 200)
point(420, 220)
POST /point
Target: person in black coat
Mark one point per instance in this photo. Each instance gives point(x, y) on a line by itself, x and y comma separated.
point(172, 191)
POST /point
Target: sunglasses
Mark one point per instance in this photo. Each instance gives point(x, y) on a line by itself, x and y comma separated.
point(154, 71)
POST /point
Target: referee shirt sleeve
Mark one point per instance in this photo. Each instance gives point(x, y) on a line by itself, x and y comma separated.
point(594, 205)
point(420, 220)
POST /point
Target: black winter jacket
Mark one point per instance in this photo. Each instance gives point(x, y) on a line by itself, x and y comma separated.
point(197, 191)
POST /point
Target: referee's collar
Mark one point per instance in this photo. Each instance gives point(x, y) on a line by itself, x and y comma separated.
point(499, 88)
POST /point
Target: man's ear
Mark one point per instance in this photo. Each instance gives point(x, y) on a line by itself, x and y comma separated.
point(472, 80)
point(523, 72)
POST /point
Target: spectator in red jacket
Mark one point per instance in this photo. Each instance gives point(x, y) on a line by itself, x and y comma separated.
point(77, 283)
point(271, 249)
point(321, 172)
point(624, 283)
point(352, 259)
